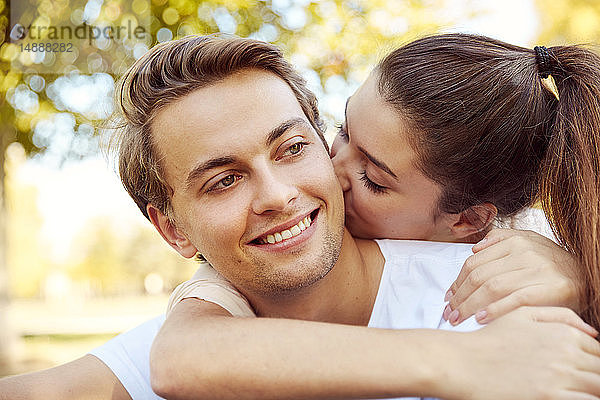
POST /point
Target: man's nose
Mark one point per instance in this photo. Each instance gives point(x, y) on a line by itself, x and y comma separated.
point(341, 165)
point(274, 192)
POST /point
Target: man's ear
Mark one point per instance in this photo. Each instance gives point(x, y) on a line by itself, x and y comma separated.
point(474, 221)
point(170, 233)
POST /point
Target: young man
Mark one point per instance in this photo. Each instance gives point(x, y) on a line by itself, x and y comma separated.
point(223, 153)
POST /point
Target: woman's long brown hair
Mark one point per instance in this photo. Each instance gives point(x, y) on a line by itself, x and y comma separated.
point(488, 131)
point(569, 178)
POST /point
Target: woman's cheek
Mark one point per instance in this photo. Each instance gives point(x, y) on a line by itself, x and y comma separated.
point(364, 204)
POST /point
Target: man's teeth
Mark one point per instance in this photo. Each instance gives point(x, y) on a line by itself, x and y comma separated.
point(287, 233)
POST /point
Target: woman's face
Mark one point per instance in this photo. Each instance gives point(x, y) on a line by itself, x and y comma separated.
point(386, 196)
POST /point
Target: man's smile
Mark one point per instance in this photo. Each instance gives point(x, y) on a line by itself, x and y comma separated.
point(288, 234)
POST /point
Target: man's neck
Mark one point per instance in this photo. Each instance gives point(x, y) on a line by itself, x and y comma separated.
point(345, 295)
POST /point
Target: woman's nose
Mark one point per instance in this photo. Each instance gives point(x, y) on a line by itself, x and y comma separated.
point(340, 166)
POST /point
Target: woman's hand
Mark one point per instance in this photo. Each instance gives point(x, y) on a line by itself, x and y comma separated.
point(530, 353)
point(511, 268)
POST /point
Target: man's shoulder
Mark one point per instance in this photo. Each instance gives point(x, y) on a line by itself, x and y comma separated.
point(208, 285)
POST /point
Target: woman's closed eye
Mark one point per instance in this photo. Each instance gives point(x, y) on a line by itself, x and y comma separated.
point(369, 184)
point(341, 129)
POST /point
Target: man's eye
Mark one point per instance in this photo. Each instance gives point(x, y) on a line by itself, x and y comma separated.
point(295, 148)
point(228, 180)
point(224, 183)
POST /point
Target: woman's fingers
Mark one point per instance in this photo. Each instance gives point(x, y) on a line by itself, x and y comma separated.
point(498, 235)
point(511, 302)
point(592, 347)
point(472, 263)
point(507, 291)
point(527, 245)
point(503, 306)
point(484, 279)
point(588, 382)
point(589, 363)
point(519, 268)
point(569, 395)
point(565, 316)
point(548, 314)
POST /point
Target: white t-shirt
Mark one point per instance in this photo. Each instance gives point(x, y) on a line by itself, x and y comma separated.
point(530, 218)
point(128, 356)
point(411, 294)
point(414, 282)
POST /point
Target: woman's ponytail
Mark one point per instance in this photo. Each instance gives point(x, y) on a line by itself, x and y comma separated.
point(570, 174)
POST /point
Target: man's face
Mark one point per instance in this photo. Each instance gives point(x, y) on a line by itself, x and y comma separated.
point(248, 171)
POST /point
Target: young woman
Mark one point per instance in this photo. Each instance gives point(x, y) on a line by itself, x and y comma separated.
point(468, 129)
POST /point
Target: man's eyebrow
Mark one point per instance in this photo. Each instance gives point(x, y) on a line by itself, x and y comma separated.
point(206, 166)
point(377, 162)
point(282, 128)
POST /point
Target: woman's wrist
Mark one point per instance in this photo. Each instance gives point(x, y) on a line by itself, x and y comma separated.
point(448, 368)
point(439, 365)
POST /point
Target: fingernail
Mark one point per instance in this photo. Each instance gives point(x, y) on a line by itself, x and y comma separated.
point(453, 317)
point(482, 241)
point(447, 312)
point(449, 295)
point(481, 315)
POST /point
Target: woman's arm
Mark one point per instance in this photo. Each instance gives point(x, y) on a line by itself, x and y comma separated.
point(512, 268)
point(86, 378)
point(201, 352)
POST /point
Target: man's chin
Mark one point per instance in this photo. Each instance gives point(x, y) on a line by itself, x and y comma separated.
point(307, 269)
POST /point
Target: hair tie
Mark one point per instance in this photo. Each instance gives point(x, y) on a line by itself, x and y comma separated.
point(544, 63)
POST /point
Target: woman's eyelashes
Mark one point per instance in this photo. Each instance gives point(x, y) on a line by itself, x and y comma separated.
point(369, 184)
point(341, 128)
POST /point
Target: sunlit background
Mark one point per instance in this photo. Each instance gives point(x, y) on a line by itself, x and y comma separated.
point(78, 262)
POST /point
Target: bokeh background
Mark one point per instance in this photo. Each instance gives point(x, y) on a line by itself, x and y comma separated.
point(78, 262)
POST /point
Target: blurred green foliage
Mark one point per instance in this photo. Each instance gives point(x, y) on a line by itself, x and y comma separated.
point(114, 264)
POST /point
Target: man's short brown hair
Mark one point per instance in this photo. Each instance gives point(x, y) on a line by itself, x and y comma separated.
point(170, 71)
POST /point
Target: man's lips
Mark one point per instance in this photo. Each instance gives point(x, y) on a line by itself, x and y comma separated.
point(287, 230)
